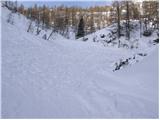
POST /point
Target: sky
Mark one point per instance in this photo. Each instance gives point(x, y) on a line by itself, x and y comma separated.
point(70, 3)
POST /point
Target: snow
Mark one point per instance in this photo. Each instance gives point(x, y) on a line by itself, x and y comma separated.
point(1, 64)
point(63, 78)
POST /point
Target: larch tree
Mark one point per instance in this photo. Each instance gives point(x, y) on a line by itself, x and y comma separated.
point(92, 27)
point(127, 21)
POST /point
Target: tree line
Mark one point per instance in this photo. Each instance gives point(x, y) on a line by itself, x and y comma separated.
point(146, 12)
point(83, 21)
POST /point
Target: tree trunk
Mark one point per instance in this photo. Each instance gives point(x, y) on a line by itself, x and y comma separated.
point(29, 27)
point(118, 20)
point(127, 22)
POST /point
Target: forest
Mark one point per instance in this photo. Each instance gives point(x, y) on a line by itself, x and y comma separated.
point(84, 21)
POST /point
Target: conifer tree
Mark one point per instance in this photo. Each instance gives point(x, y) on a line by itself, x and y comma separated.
point(80, 32)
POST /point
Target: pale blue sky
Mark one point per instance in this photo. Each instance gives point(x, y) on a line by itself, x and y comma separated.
point(80, 3)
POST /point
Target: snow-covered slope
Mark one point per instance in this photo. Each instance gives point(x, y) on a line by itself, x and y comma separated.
point(107, 37)
point(72, 79)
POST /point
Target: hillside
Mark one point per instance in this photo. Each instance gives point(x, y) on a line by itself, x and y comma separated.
point(63, 78)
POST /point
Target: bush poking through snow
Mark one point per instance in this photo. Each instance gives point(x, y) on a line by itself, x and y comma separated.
point(147, 33)
point(120, 64)
point(102, 35)
point(156, 41)
point(44, 37)
point(85, 39)
point(10, 18)
point(131, 60)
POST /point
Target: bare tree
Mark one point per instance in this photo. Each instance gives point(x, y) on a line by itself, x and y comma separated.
point(118, 19)
point(127, 21)
point(10, 18)
point(92, 27)
point(30, 25)
point(38, 24)
point(31, 19)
